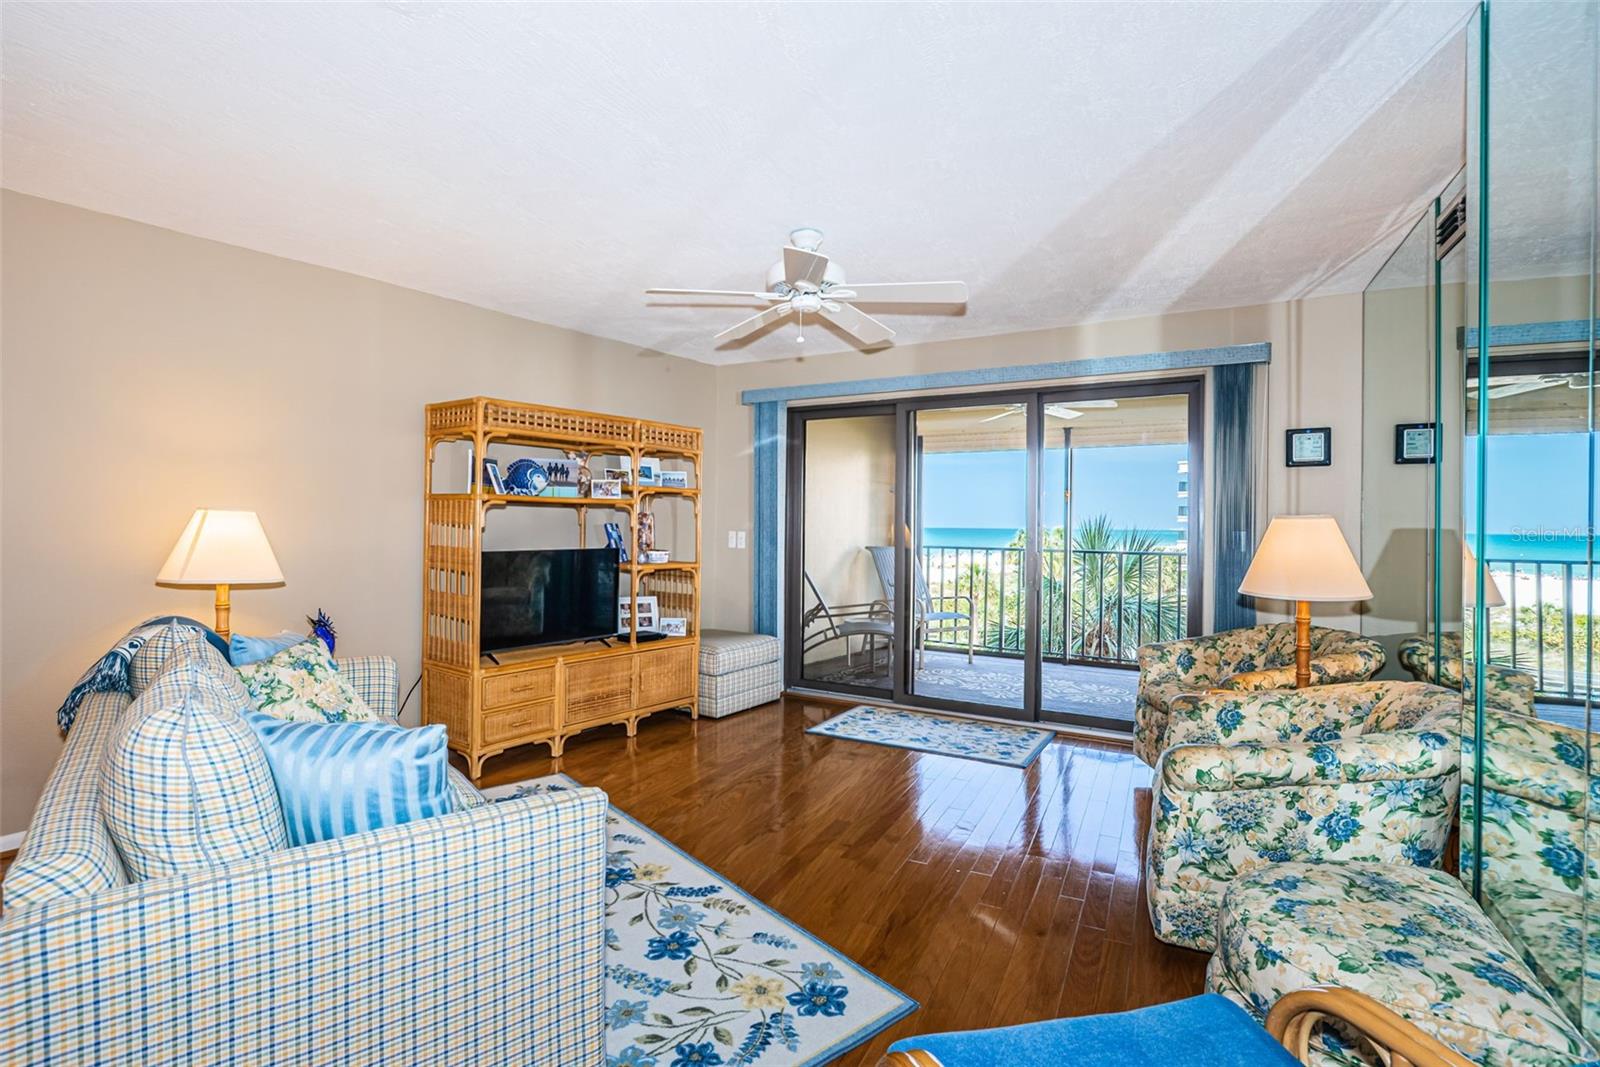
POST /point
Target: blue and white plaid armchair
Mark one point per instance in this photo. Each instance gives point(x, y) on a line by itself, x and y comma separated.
point(473, 937)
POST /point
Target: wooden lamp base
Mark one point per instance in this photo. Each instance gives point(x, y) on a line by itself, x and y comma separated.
point(1302, 643)
point(224, 611)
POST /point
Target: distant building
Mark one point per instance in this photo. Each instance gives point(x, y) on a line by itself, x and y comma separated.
point(1183, 506)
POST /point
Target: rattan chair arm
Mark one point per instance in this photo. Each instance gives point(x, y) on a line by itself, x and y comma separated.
point(1295, 1015)
point(915, 1058)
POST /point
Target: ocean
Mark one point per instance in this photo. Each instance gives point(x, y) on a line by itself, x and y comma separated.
point(1000, 537)
point(1534, 545)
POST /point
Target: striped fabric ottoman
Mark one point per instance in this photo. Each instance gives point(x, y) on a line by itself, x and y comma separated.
point(738, 671)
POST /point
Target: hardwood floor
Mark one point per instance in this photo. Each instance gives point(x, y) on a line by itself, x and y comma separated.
point(991, 895)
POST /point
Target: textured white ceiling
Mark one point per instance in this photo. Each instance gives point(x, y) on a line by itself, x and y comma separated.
point(1071, 162)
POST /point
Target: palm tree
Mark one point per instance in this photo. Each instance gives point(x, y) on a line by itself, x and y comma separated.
point(1119, 584)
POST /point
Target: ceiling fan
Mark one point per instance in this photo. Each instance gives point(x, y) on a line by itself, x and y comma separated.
point(805, 282)
point(1516, 385)
point(1060, 411)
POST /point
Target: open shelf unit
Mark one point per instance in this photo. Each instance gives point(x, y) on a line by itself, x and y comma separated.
point(546, 694)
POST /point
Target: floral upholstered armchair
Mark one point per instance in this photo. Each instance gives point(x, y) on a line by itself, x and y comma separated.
point(1348, 772)
point(1504, 687)
point(1539, 803)
point(1255, 657)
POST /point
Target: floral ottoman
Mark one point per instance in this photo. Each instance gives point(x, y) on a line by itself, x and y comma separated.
point(1409, 937)
point(738, 671)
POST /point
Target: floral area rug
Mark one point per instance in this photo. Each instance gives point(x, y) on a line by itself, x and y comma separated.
point(701, 974)
point(1014, 746)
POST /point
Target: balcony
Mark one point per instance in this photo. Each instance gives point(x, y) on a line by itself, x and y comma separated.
point(1115, 601)
point(1544, 628)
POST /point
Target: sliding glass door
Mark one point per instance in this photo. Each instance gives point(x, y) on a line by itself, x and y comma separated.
point(1121, 488)
point(968, 561)
point(1001, 553)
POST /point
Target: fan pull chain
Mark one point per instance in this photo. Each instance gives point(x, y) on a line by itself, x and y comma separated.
point(800, 327)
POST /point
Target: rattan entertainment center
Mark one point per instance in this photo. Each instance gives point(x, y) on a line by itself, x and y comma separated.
point(546, 694)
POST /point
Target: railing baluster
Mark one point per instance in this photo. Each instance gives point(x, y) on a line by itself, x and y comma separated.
point(1538, 620)
point(1567, 621)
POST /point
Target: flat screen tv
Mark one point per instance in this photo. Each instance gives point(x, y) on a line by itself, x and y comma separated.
point(547, 597)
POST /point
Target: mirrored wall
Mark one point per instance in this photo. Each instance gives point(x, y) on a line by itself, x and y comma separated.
point(1479, 478)
point(1525, 361)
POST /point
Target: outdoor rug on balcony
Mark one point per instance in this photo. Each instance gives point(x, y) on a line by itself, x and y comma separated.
point(1014, 746)
point(700, 972)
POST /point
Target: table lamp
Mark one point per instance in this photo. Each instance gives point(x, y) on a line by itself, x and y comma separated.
point(1492, 597)
point(1304, 558)
point(221, 548)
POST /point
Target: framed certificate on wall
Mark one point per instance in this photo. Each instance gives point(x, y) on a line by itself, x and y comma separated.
point(1311, 447)
point(1414, 442)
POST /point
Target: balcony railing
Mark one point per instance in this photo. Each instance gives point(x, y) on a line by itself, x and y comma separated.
point(1544, 626)
point(1119, 600)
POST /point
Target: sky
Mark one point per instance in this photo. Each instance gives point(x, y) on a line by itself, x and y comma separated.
point(1536, 480)
point(1136, 485)
point(1540, 484)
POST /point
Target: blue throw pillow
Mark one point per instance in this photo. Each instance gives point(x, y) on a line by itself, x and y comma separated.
point(243, 650)
point(338, 778)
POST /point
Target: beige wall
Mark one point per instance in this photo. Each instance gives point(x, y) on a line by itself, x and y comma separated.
point(850, 486)
point(146, 373)
point(1314, 380)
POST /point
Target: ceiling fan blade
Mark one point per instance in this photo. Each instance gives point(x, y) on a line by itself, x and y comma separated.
point(713, 292)
point(753, 323)
point(863, 327)
point(802, 266)
point(1088, 404)
point(1061, 411)
point(1007, 413)
point(907, 292)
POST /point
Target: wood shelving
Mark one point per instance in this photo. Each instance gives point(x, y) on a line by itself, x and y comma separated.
point(547, 694)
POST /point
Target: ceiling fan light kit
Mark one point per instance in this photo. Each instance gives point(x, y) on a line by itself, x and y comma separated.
point(805, 282)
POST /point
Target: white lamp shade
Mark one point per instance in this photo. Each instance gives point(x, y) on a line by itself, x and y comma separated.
point(1492, 597)
point(221, 548)
point(1305, 557)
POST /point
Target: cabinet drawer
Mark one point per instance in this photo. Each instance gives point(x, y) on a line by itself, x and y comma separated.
point(667, 674)
point(504, 690)
point(525, 721)
point(599, 688)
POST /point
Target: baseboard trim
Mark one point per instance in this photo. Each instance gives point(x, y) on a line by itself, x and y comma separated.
point(1066, 729)
point(9, 843)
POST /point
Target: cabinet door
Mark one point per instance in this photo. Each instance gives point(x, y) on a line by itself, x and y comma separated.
point(667, 674)
point(599, 688)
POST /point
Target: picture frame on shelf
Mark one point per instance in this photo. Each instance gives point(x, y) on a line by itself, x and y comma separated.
point(619, 474)
point(1308, 447)
point(675, 627)
point(607, 488)
point(655, 555)
point(646, 608)
point(1415, 442)
point(649, 470)
point(492, 477)
point(674, 479)
point(614, 539)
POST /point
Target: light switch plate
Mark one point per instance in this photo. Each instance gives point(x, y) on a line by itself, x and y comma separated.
point(741, 538)
point(733, 539)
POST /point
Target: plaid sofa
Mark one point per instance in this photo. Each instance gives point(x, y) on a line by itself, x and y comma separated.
point(474, 937)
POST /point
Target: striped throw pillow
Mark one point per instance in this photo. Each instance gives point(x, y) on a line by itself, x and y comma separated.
point(184, 782)
point(338, 778)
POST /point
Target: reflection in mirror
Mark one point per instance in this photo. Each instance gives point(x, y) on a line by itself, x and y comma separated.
point(1528, 480)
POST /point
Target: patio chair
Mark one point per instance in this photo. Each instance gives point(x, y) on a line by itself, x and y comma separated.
point(925, 618)
point(870, 621)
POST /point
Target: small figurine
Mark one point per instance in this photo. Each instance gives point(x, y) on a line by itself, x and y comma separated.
point(647, 532)
point(322, 626)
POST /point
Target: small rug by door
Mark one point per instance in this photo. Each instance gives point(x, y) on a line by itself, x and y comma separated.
point(698, 972)
point(1014, 746)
